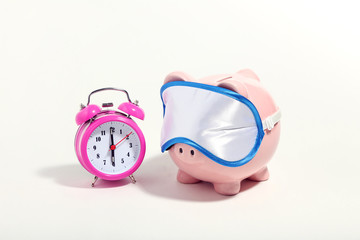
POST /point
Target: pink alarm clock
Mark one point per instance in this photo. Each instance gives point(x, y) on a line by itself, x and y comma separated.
point(108, 143)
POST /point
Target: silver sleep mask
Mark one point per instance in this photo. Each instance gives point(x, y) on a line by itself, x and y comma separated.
point(220, 123)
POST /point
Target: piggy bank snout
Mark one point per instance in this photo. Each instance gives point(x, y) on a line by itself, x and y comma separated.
point(185, 153)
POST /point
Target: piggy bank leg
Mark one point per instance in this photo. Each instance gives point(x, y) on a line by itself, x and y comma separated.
point(261, 175)
point(231, 188)
point(183, 177)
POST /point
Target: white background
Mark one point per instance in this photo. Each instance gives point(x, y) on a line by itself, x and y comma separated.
point(53, 53)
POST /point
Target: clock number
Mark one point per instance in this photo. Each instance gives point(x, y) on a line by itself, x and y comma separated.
point(94, 147)
point(104, 162)
point(98, 156)
point(98, 139)
point(130, 145)
point(127, 138)
point(112, 129)
point(122, 160)
point(128, 154)
point(120, 131)
point(103, 133)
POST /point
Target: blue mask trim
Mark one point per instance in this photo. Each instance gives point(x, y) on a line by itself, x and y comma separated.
point(204, 151)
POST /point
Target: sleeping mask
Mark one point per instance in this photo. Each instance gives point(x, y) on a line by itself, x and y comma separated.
point(220, 123)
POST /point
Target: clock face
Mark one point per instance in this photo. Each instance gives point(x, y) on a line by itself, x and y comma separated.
point(113, 147)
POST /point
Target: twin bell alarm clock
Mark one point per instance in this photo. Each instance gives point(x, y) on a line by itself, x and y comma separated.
point(108, 143)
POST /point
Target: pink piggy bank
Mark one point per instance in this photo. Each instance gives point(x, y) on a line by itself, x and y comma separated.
point(220, 129)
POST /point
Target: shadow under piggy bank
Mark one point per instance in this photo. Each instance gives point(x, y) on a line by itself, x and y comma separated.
point(157, 176)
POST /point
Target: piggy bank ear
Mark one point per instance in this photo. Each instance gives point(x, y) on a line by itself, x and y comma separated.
point(178, 76)
point(235, 86)
point(248, 74)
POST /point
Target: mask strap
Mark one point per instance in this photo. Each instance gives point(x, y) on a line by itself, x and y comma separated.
point(270, 121)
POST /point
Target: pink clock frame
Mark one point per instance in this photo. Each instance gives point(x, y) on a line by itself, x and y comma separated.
point(84, 132)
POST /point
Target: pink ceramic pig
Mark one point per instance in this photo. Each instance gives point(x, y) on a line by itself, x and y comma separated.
point(194, 166)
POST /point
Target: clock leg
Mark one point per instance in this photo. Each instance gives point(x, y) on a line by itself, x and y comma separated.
point(132, 179)
point(95, 180)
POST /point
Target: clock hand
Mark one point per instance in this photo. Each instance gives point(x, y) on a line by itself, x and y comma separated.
point(112, 147)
